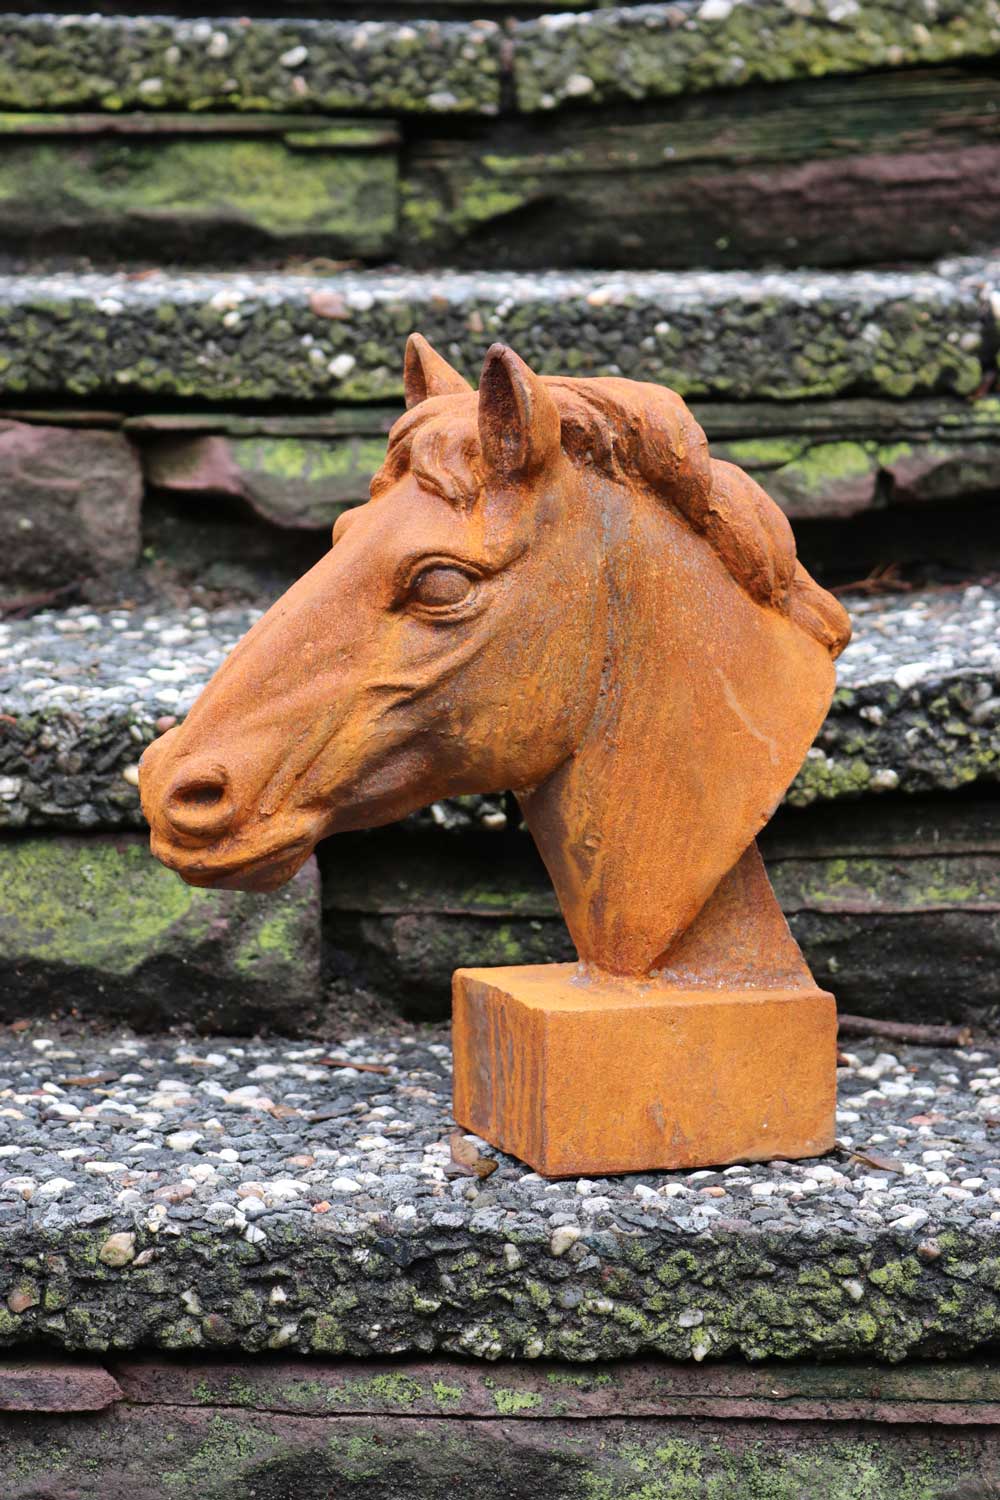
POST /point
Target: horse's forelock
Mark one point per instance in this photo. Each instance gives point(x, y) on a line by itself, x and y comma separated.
point(438, 442)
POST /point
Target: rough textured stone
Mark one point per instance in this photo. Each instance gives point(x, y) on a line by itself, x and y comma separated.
point(35, 1386)
point(133, 62)
point(291, 481)
point(833, 172)
point(880, 905)
point(197, 187)
point(634, 52)
point(818, 460)
point(652, 51)
point(917, 709)
point(188, 1449)
point(71, 504)
point(718, 334)
point(96, 926)
point(282, 1198)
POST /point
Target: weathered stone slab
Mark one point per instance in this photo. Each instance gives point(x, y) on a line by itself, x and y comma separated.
point(654, 51)
point(70, 505)
point(272, 337)
point(94, 925)
point(824, 460)
point(47, 1386)
point(951, 1393)
point(280, 1199)
point(195, 1454)
point(881, 904)
point(836, 172)
point(155, 62)
point(917, 709)
point(290, 481)
point(197, 188)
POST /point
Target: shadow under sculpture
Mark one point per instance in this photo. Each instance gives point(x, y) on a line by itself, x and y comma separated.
point(554, 588)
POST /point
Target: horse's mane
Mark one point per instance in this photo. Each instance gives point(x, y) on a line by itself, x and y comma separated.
point(627, 430)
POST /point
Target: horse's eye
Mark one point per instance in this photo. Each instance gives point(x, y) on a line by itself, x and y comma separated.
point(439, 587)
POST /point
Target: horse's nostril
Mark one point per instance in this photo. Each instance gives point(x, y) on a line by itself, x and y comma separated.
point(199, 802)
point(200, 794)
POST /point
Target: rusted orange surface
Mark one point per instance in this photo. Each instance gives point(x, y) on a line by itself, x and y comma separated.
point(555, 589)
point(582, 1074)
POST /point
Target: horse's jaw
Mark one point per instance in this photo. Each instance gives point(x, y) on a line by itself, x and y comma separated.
point(228, 871)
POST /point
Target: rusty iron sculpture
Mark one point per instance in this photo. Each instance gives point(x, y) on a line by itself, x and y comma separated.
point(554, 588)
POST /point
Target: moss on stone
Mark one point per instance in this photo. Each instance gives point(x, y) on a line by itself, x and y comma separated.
point(172, 191)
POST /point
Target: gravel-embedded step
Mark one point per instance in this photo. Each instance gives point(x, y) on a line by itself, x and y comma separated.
point(97, 927)
point(197, 187)
point(82, 692)
point(298, 1198)
point(415, 66)
point(638, 52)
point(120, 63)
point(316, 338)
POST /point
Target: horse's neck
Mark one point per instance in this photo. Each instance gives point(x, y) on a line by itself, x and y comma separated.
point(645, 825)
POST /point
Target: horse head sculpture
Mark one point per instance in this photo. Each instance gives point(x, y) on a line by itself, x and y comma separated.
point(553, 589)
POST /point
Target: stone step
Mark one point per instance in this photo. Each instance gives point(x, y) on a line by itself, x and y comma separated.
point(829, 172)
point(638, 52)
point(313, 338)
point(880, 901)
point(265, 1198)
point(51, 62)
point(818, 460)
point(384, 1428)
point(96, 927)
point(643, 52)
point(917, 708)
point(87, 492)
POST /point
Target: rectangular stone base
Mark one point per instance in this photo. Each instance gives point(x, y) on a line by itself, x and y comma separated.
point(583, 1077)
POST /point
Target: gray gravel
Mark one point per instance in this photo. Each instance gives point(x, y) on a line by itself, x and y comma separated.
point(918, 707)
point(257, 1195)
point(268, 337)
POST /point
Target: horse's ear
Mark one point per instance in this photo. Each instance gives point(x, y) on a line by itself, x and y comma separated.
point(519, 427)
point(426, 374)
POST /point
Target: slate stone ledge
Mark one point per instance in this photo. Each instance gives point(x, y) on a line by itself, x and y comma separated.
point(301, 339)
point(218, 1431)
point(288, 1199)
point(829, 460)
point(880, 899)
point(95, 926)
point(817, 460)
point(81, 692)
